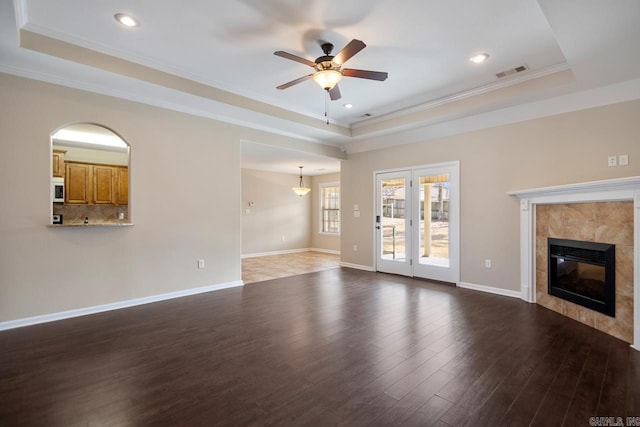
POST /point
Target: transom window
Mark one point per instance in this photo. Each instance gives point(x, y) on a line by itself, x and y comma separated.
point(330, 208)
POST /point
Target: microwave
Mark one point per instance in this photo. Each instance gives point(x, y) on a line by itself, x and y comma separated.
point(57, 190)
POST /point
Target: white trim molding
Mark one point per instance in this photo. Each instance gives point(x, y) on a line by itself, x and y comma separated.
point(290, 251)
point(325, 251)
point(489, 289)
point(28, 321)
point(356, 266)
point(596, 191)
point(283, 252)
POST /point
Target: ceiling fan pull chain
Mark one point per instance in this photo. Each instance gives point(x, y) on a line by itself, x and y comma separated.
point(326, 106)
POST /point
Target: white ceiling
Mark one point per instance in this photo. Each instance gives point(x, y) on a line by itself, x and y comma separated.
point(217, 61)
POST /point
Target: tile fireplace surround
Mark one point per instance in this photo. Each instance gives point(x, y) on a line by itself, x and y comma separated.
point(586, 197)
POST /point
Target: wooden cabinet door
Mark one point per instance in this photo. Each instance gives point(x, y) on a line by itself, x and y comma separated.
point(77, 184)
point(122, 186)
point(58, 163)
point(103, 184)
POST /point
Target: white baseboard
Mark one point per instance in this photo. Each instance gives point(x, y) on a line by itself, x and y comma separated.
point(289, 251)
point(356, 266)
point(491, 290)
point(11, 324)
point(284, 252)
point(325, 251)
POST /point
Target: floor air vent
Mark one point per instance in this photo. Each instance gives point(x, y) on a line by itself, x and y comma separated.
point(512, 71)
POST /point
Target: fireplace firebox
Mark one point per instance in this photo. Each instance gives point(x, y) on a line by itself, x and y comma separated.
point(583, 273)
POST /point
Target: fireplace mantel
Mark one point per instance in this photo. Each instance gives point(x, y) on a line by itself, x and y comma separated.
point(596, 191)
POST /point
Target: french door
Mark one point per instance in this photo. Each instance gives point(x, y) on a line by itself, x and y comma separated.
point(417, 222)
point(393, 222)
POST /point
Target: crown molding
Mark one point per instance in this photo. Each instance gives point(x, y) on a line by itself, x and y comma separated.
point(160, 66)
point(20, 11)
point(576, 101)
point(503, 83)
point(159, 102)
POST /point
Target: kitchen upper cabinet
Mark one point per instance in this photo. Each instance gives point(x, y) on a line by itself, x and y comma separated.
point(58, 163)
point(122, 186)
point(104, 185)
point(94, 184)
point(78, 183)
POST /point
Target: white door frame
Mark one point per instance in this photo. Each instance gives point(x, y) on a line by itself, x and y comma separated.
point(452, 273)
point(394, 266)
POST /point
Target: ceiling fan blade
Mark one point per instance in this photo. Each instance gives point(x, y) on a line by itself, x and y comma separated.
point(365, 74)
point(296, 58)
point(348, 51)
point(334, 93)
point(294, 82)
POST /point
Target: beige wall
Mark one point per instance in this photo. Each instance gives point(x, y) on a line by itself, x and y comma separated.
point(318, 240)
point(184, 201)
point(280, 219)
point(562, 149)
point(186, 195)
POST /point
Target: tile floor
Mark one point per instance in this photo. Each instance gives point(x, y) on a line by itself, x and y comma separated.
point(270, 267)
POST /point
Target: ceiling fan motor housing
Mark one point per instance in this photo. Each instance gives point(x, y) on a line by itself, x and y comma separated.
point(326, 62)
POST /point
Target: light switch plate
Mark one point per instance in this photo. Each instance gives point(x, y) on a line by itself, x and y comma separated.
point(623, 159)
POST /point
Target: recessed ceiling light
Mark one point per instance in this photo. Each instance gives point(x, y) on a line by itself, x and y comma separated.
point(348, 105)
point(126, 20)
point(479, 58)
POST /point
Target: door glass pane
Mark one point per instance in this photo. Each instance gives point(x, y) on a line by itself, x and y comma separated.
point(392, 226)
point(434, 220)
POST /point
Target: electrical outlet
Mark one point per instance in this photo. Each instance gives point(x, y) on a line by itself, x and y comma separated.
point(283, 238)
point(487, 263)
point(355, 248)
point(623, 159)
point(200, 263)
point(612, 161)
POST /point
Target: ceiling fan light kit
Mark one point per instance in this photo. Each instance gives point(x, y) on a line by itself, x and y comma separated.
point(328, 69)
point(327, 79)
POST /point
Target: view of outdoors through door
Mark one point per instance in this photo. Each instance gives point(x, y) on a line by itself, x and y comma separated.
point(417, 222)
point(434, 220)
point(393, 219)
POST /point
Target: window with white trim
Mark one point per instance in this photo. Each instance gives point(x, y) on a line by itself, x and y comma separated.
point(330, 208)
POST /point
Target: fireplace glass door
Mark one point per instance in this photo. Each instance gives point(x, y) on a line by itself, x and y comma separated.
point(583, 273)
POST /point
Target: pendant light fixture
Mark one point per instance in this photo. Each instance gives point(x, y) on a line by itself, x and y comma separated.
point(300, 190)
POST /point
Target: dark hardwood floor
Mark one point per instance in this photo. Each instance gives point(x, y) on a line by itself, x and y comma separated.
point(338, 347)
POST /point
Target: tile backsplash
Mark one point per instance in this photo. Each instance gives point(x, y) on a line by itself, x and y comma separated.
point(73, 214)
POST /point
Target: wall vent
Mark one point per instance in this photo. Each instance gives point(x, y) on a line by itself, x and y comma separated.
point(512, 71)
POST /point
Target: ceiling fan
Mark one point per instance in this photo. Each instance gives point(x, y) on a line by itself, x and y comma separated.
point(328, 69)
